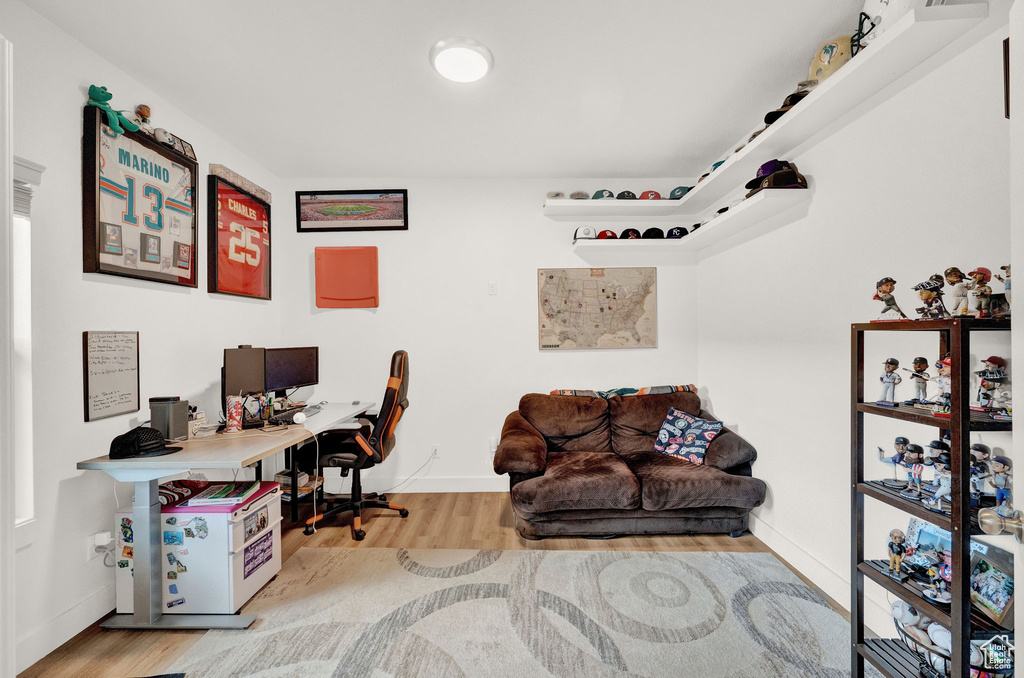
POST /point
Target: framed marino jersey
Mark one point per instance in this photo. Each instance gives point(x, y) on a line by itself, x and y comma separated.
point(239, 241)
point(138, 206)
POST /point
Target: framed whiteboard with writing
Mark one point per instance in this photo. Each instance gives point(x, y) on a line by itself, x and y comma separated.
point(111, 369)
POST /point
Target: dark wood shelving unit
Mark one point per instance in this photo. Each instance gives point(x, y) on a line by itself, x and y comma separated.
point(892, 657)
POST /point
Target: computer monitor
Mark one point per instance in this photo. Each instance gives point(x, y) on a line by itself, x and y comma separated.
point(244, 372)
point(287, 368)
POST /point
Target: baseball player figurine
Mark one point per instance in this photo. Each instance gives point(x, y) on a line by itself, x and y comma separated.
point(955, 278)
point(913, 461)
point(982, 292)
point(980, 455)
point(930, 292)
point(900, 445)
point(1002, 480)
point(994, 372)
point(944, 479)
point(944, 383)
point(889, 380)
point(883, 293)
point(1005, 281)
point(897, 549)
point(919, 378)
point(940, 576)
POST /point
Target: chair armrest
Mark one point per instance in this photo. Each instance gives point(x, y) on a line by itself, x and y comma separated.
point(522, 448)
point(728, 449)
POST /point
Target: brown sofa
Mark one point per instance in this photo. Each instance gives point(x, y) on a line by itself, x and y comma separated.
point(582, 466)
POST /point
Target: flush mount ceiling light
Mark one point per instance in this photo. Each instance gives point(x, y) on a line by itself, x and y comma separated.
point(461, 59)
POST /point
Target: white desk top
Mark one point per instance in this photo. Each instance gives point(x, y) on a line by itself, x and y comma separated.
point(230, 450)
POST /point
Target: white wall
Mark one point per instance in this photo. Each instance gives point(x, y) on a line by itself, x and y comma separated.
point(181, 330)
point(916, 185)
point(471, 355)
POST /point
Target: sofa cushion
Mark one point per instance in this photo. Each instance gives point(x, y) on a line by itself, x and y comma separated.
point(673, 483)
point(569, 423)
point(636, 420)
point(686, 436)
point(579, 480)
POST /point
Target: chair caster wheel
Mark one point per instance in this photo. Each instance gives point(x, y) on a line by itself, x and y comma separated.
point(308, 529)
point(359, 535)
point(404, 513)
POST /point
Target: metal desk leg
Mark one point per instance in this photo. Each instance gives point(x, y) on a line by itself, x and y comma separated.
point(148, 585)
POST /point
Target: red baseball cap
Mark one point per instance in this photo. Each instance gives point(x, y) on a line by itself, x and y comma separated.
point(606, 234)
point(650, 195)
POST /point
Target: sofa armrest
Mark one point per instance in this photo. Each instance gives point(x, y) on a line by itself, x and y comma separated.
point(728, 449)
point(522, 448)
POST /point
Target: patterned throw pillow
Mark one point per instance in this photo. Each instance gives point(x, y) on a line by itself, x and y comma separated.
point(626, 391)
point(684, 435)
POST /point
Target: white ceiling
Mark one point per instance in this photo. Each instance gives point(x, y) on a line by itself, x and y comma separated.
point(580, 88)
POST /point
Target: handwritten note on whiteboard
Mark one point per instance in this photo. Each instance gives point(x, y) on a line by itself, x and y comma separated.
point(111, 373)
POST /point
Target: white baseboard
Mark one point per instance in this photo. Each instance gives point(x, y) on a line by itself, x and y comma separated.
point(42, 641)
point(835, 585)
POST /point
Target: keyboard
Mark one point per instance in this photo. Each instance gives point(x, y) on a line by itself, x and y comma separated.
point(288, 416)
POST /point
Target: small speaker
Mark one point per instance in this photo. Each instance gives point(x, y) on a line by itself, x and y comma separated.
point(169, 415)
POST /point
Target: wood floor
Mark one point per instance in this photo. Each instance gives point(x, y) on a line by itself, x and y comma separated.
point(473, 520)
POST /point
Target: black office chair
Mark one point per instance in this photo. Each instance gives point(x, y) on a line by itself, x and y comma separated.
point(366, 447)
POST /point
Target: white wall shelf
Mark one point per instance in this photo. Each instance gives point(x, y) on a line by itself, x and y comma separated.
point(900, 52)
point(738, 220)
point(567, 209)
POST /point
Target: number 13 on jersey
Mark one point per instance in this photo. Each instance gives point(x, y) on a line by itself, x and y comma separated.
point(240, 245)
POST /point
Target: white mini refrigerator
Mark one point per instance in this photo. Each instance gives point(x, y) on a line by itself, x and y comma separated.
point(213, 558)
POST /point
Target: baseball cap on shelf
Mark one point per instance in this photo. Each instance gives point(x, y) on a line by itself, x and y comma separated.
point(652, 233)
point(770, 167)
point(677, 232)
point(696, 226)
point(604, 194)
point(626, 195)
point(606, 234)
point(703, 177)
point(788, 103)
point(785, 179)
point(650, 195)
point(630, 234)
point(555, 194)
point(678, 192)
point(579, 195)
point(585, 233)
point(717, 165)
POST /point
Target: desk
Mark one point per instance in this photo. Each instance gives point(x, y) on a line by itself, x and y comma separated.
point(229, 451)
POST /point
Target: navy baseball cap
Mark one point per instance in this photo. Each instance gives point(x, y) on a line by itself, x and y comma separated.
point(630, 234)
point(677, 232)
point(652, 233)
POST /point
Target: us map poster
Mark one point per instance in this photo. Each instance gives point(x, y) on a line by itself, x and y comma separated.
point(242, 243)
point(146, 214)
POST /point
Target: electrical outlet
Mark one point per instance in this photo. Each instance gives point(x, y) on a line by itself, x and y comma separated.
point(435, 451)
point(94, 540)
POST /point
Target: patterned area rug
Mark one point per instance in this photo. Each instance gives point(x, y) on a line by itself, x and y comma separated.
point(439, 613)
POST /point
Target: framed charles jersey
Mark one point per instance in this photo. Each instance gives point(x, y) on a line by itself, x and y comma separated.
point(239, 241)
point(138, 206)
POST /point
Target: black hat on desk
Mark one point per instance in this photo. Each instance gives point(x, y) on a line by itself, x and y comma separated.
point(140, 442)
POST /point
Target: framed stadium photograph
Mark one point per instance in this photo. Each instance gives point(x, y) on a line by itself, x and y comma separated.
point(138, 205)
point(367, 210)
point(239, 241)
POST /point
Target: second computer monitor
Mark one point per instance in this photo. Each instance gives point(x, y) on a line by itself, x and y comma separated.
point(292, 367)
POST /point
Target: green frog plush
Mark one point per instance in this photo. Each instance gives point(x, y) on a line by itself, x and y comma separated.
point(116, 120)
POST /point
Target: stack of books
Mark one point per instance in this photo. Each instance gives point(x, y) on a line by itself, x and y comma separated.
point(304, 490)
point(224, 494)
point(285, 478)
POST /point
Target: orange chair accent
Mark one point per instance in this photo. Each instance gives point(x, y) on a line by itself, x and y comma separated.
point(367, 447)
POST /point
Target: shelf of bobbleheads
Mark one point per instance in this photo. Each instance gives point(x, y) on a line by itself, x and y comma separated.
point(893, 657)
